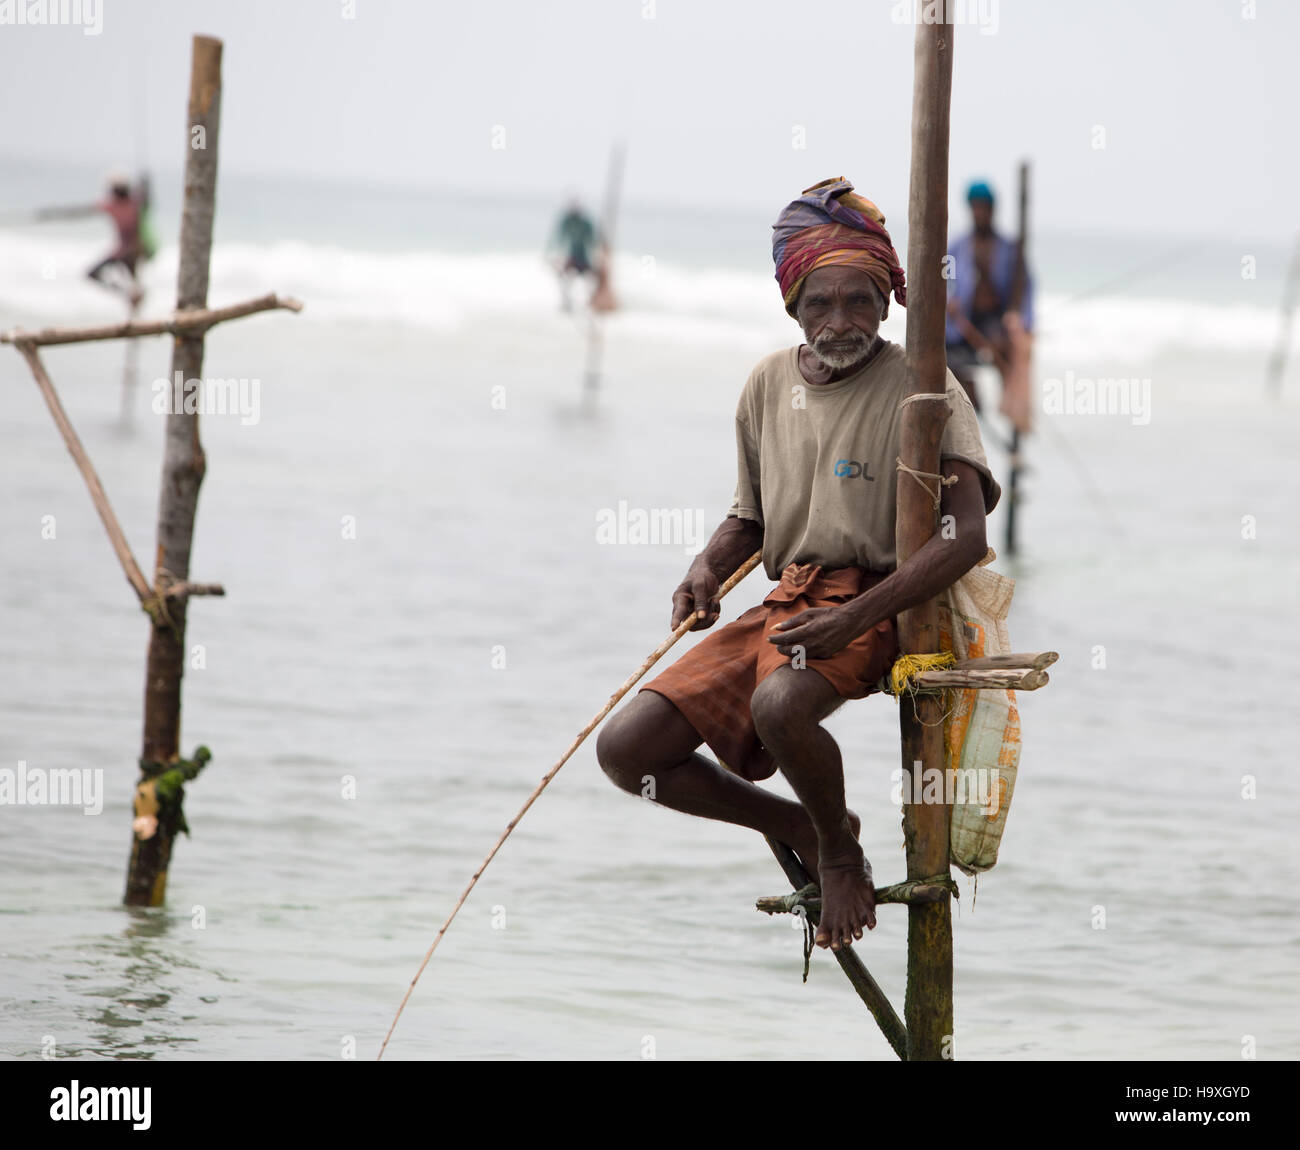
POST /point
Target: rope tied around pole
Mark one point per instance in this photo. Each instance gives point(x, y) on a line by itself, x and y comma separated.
point(922, 476)
point(165, 586)
point(899, 680)
point(808, 939)
point(156, 608)
point(900, 674)
point(806, 905)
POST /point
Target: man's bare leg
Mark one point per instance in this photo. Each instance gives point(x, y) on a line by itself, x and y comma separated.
point(649, 748)
point(788, 708)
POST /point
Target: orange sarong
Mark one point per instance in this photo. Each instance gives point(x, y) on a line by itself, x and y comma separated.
point(712, 684)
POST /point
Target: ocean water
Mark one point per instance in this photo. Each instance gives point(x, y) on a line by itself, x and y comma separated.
point(380, 705)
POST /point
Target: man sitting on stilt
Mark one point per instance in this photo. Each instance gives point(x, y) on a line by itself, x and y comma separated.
point(817, 430)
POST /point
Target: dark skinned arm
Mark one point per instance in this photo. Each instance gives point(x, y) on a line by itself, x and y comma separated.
point(733, 542)
point(822, 631)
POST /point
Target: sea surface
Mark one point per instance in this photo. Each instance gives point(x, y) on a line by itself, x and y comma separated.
point(420, 617)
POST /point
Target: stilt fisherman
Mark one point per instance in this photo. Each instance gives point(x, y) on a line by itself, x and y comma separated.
point(817, 435)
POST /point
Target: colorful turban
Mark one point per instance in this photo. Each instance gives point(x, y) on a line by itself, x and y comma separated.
point(830, 225)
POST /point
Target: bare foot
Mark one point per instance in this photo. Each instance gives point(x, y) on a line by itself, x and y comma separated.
point(807, 849)
point(848, 894)
point(848, 900)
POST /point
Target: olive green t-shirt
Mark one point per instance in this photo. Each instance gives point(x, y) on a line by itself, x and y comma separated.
point(817, 464)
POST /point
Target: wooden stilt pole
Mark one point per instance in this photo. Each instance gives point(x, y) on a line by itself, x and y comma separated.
point(1017, 296)
point(130, 369)
point(158, 817)
point(928, 1007)
point(602, 298)
point(1290, 293)
point(595, 353)
point(868, 989)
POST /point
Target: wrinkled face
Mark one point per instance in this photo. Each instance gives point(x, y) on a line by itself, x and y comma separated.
point(840, 309)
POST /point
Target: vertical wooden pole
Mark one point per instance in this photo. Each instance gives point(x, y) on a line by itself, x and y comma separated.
point(1277, 361)
point(1017, 299)
point(595, 351)
point(928, 1008)
point(129, 371)
point(182, 473)
point(602, 298)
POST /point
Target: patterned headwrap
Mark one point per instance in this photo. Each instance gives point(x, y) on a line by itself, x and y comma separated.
point(830, 225)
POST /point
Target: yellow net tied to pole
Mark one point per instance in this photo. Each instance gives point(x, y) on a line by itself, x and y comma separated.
point(909, 665)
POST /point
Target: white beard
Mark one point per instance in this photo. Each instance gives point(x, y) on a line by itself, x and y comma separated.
point(840, 359)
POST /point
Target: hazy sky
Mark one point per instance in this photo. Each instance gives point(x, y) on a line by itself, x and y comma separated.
point(1193, 96)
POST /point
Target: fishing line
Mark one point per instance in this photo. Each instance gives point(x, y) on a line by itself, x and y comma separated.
point(654, 656)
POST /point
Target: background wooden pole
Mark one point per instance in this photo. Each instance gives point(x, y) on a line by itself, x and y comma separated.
point(928, 1008)
point(130, 370)
point(1277, 360)
point(191, 323)
point(182, 473)
point(1017, 299)
point(603, 300)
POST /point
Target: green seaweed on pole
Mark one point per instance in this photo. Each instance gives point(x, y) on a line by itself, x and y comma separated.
point(169, 781)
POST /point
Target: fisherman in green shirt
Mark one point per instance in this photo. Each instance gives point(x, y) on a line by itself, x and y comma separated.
point(571, 248)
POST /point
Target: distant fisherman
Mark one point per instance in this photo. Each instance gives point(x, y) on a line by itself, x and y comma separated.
point(989, 292)
point(571, 247)
point(128, 209)
point(817, 433)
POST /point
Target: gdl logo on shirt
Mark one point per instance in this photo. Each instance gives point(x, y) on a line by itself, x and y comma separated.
point(851, 469)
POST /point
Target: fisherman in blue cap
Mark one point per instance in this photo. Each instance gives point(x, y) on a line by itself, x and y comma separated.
point(988, 283)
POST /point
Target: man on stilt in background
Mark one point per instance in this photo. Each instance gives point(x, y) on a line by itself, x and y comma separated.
point(989, 294)
point(571, 248)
